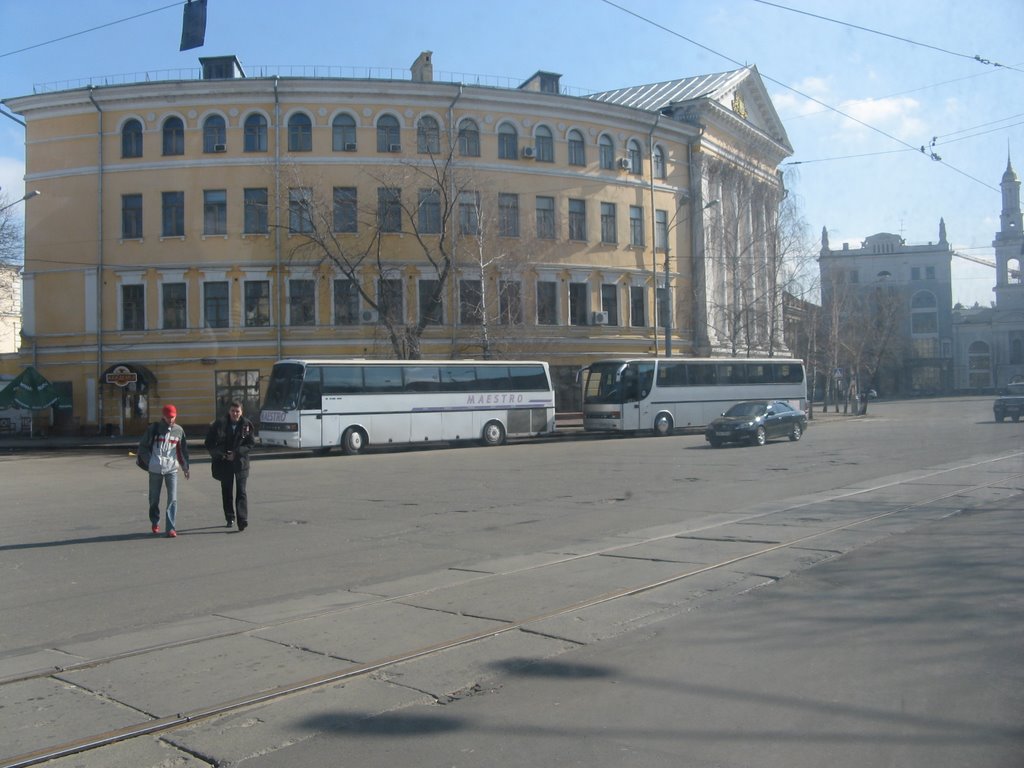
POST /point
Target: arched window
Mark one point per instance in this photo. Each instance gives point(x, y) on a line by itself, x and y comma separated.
point(545, 144)
point(131, 139)
point(300, 133)
point(979, 365)
point(469, 138)
point(388, 139)
point(884, 276)
point(607, 150)
point(577, 150)
point(428, 136)
point(659, 163)
point(174, 136)
point(255, 133)
point(636, 158)
point(215, 136)
point(508, 142)
point(343, 134)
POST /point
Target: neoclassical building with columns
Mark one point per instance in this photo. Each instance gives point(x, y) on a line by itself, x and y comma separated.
point(187, 230)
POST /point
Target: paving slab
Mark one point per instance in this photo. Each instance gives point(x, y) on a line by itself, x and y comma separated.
point(296, 608)
point(148, 752)
point(21, 664)
point(159, 636)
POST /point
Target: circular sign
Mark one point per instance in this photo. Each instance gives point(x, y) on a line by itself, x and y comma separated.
point(121, 376)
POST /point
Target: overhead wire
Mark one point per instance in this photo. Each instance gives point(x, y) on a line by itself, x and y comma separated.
point(798, 92)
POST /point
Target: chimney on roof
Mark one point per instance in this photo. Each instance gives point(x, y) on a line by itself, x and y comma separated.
point(422, 69)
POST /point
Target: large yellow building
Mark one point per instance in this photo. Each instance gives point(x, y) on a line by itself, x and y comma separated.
point(190, 232)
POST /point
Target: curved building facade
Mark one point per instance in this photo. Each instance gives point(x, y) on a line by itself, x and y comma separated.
point(191, 232)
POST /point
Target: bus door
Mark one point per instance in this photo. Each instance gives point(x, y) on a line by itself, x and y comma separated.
point(637, 381)
point(311, 409)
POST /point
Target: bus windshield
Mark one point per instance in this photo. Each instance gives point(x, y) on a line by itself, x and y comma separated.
point(283, 389)
point(604, 383)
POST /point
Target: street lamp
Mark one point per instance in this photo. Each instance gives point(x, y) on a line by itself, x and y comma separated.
point(667, 311)
point(28, 196)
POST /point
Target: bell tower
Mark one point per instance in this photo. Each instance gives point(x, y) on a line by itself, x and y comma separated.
point(1009, 245)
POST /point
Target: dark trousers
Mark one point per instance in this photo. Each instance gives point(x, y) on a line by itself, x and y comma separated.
point(239, 510)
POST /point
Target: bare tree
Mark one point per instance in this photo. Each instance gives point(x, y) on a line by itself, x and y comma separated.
point(10, 276)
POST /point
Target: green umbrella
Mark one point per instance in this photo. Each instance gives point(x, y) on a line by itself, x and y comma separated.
point(30, 390)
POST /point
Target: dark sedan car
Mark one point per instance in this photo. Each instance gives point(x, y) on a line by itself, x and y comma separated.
point(756, 422)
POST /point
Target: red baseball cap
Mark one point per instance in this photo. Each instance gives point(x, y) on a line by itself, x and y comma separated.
point(170, 411)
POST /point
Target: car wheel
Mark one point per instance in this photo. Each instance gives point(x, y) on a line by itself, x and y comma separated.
point(663, 425)
point(760, 437)
point(493, 434)
point(715, 442)
point(353, 441)
point(1016, 417)
point(796, 433)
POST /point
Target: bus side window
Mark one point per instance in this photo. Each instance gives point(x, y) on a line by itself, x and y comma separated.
point(311, 398)
point(630, 385)
point(646, 379)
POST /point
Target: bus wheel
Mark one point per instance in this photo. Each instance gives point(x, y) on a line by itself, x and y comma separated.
point(663, 425)
point(353, 441)
point(494, 433)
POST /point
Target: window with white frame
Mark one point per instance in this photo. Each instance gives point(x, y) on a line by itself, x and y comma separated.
point(173, 214)
point(215, 212)
point(346, 210)
point(428, 136)
point(343, 133)
point(346, 302)
point(577, 149)
point(215, 304)
point(300, 133)
point(545, 217)
point(545, 148)
point(300, 209)
point(255, 221)
point(257, 303)
point(133, 307)
point(301, 302)
point(215, 134)
point(578, 220)
point(174, 306)
point(131, 217)
point(547, 302)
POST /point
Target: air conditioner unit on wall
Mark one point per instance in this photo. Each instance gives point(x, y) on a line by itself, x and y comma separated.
point(368, 316)
point(351, 147)
point(395, 148)
point(220, 148)
point(624, 163)
point(599, 318)
point(529, 152)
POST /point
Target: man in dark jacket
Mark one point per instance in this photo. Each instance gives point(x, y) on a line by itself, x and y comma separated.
point(229, 441)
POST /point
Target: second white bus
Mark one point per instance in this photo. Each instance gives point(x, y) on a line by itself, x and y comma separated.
point(320, 404)
point(662, 394)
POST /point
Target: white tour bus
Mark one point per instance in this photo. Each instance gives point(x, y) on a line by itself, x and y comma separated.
point(320, 404)
point(661, 394)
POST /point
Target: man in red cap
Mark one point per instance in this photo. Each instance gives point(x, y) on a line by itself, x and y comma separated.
point(162, 450)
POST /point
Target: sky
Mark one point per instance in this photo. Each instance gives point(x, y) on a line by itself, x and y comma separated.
point(861, 86)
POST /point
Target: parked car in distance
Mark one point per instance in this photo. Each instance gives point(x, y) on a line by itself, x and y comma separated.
point(1010, 402)
point(756, 422)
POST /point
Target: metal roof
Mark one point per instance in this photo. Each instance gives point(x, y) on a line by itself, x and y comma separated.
point(657, 96)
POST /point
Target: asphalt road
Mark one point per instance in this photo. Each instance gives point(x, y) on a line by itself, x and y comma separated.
point(82, 576)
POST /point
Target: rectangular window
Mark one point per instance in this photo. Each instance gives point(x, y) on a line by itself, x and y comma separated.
point(215, 304)
point(300, 210)
point(345, 210)
point(508, 215)
point(547, 303)
point(131, 217)
point(637, 306)
point(133, 307)
point(215, 212)
point(578, 220)
point(636, 225)
point(577, 303)
point(471, 307)
point(660, 230)
point(610, 302)
point(546, 218)
point(173, 206)
point(431, 312)
point(469, 213)
point(389, 299)
point(240, 385)
point(929, 273)
point(915, 273)
point(346, 302)
point(174, 306)
point(510, 298)
point(428, 212)
point(302, 302)
point(257, 303)
point(608, 234)
point(577, 154)
point(389, 209)
point(256, 221)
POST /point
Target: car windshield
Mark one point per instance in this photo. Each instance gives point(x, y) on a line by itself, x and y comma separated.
point(749, 410)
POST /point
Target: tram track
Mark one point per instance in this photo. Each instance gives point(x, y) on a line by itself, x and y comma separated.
point(157, 725)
